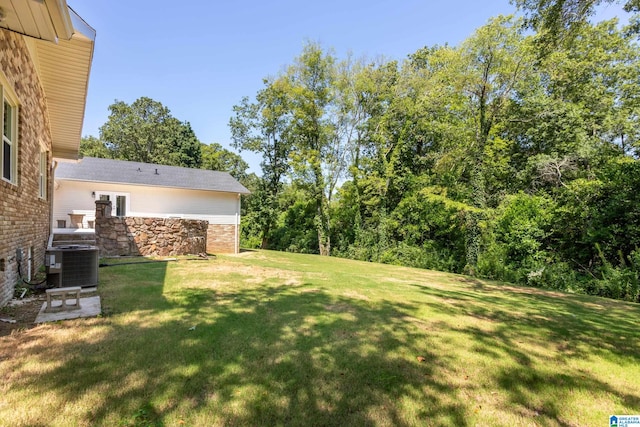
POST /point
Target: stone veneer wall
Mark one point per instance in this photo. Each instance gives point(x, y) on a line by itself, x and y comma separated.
point(147, 236)
point(24, 216)
point(221, 238)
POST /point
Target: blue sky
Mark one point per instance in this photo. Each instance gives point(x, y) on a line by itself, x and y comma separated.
point(199, 58)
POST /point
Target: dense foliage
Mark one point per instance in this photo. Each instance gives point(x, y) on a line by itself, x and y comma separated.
point(487, 158)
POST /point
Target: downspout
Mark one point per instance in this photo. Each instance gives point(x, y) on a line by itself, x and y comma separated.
point(237, 239)
point(54, 165)
point(29, 261)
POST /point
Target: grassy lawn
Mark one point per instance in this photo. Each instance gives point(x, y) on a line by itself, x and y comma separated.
point(268, 339)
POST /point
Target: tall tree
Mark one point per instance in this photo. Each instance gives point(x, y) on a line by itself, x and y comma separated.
point(494, 61)
point(582, 107)
point(318, 158)
point(145, 131)
point(362, 91)
point(182, 147)
point(264, 127)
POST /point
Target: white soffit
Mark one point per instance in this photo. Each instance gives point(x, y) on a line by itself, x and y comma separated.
point(64, 73)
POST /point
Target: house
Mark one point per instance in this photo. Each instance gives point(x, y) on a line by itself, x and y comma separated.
point(46, 51)
point(146, 190)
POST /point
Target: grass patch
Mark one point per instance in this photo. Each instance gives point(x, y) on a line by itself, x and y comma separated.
point(270, 338)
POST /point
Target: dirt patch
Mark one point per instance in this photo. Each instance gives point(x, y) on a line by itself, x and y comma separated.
point(250, 274)
point(356, 295)
point(339, 308)
point(22, 311)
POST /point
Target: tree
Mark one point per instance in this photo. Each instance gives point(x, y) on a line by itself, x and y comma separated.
point(145, 131)
point(496, 61)
point(216, 157)
point(300, 124)
point(364, 91)
point(90, 146)
point(182, 147)
point(263, 127)
point(318, 158)
point(560, 19)
point(581, 107)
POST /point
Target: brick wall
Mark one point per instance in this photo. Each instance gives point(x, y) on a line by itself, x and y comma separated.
point(24, 217)
point(221, 238)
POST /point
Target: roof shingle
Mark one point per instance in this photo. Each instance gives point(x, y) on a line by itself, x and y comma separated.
point(136, 173)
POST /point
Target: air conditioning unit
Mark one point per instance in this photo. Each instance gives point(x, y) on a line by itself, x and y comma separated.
point(72, 265)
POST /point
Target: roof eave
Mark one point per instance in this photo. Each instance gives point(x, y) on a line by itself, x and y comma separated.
point(61, 45)
point(243, 192)
point(60, 18)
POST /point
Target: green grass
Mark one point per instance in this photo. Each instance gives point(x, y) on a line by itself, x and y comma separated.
point(268, 339)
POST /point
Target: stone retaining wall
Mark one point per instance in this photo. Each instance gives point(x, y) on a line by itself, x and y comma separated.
point(147, 236)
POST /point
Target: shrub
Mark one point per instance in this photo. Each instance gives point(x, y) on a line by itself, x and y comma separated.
point(621, 282)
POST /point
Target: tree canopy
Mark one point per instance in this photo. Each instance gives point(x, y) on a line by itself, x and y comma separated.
point(145, 131)
point(495, 157)
point(559, 19)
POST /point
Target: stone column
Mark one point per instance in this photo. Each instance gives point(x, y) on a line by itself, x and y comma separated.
point(103, 215)
point(103, 209)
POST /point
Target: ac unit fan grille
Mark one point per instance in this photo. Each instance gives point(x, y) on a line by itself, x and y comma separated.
point(78, 266)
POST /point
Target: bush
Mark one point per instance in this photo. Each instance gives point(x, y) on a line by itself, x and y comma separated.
point(621, 282)
point(250, 242)
point(522, 225)
point(429, 256)
point(492, 265)
point(295, 230)
point(558, 275)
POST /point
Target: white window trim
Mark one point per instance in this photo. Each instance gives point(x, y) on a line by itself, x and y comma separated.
point(7, 95)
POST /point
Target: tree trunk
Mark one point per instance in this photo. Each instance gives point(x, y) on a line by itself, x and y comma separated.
point(322, 225)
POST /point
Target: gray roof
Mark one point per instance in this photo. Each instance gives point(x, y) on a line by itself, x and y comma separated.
point(135, 173)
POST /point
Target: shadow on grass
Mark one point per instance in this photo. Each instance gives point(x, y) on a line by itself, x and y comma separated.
point(537, 334)
point(265, 355)
point(283, 354)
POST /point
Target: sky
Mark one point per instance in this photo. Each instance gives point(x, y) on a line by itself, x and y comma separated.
point(200, 58)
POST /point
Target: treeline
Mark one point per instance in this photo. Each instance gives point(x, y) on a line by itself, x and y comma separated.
point(498, 158)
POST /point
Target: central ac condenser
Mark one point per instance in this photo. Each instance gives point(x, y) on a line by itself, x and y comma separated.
point(72, 265)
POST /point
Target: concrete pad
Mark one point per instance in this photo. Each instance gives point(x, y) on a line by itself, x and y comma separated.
point(89, 307)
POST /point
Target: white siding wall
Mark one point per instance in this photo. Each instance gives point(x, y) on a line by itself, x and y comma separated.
point(75, 197)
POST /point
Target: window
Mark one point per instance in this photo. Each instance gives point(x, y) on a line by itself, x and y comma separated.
point(42, 179)
point(9, 151)
point(121, 206)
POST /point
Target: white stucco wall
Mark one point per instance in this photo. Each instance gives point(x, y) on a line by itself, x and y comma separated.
point(76, 197)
